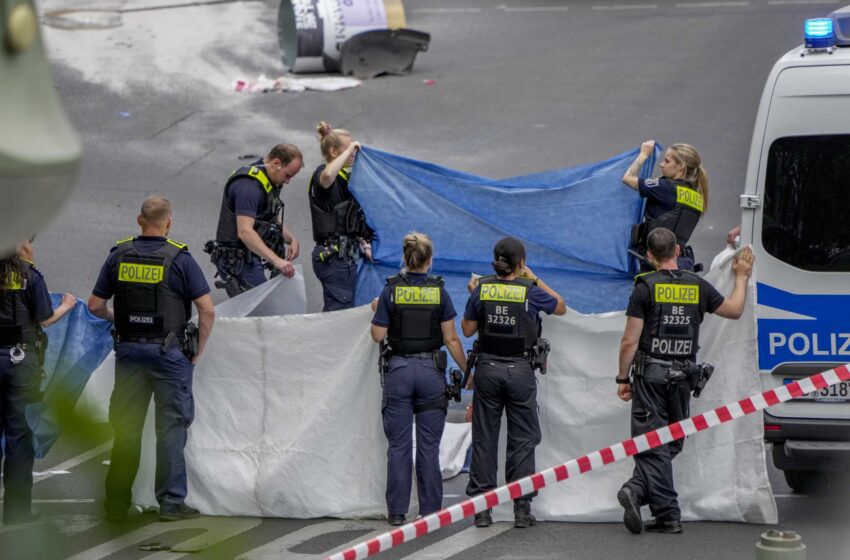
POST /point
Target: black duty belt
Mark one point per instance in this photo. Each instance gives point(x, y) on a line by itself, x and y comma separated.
point(143, 339)
point(424, 355)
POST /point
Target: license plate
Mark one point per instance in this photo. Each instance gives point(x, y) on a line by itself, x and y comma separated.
point(839, 393)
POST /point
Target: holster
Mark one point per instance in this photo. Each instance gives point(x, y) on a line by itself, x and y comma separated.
point(441, 360)
point(190, 341)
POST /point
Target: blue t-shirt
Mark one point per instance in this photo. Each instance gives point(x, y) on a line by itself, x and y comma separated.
point(246, 196)
point(185, 278)
point(36, 296)
point(660, 195)
point(538, 300)
point(386, 306)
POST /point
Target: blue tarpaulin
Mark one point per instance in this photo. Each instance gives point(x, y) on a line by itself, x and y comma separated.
point(575, 224)
point(77, 345)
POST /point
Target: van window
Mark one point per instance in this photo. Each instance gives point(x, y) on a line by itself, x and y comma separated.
point(806, 218)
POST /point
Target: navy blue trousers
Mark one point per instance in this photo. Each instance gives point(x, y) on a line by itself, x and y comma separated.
point(252, 275)
point(412, 382)
point(142, 370)
point(509, 385)
point(654, 405)
point(338, 277)
point(19, 386)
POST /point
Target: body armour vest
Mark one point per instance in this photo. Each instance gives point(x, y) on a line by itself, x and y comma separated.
point(415, 323)
point(671, 328)
point(145, 305)
point(345, 218)
point(681, 220)
point(17, 325)
point(505, 327)
point(227, 233)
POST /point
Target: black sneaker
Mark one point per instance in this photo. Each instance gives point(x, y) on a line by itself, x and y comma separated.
point(395, 519)
point(522, 514)
point(671, 526)
point(631, 510)
point(177, 512)
point(483, 519)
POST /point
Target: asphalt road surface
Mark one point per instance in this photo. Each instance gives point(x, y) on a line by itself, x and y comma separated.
point(518, 88)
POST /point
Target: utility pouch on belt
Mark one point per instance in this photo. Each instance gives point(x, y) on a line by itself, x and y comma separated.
point(169, 342)
point(190, 341)
point(441, 360)
point(639, 364)
point(386, 352)
point(115, 340)
point(540, 355)
point(41, 347)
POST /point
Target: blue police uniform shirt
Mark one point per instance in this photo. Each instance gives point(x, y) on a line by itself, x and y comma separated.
point(538, 300)
point(185, 279)
point(660, 195)
point(386, 306)
point(246, 197)
point(37, 297)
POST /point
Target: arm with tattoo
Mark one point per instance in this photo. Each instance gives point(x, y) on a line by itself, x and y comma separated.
point(632, 173)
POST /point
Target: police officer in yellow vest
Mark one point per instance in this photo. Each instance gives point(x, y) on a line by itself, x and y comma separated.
point(154, 280)
point(676, 200)
point(25, 307)
point(659, 348)
point(250, 228)
point(415, 315)
point(504, 311)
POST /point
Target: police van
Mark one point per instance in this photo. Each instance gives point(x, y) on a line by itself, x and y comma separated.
point(796, 214)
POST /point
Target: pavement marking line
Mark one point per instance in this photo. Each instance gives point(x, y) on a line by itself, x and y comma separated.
point(531, 9)
point(790, 496)
point(61, 468)
point(799, 2)
point(218, 529)
point(280, 548)
point(459, 542)
point(446, 10)
point(616, 7)
point(713, 4)
point(597, 459)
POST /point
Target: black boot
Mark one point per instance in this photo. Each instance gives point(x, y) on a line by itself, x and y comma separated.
point(395, 519)
point(522, 514)
point(483, 519)
point(670, 526)
point(631, 510)
point(177, 512)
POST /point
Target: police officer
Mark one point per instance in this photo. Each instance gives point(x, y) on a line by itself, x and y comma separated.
point(504, 311)
point(415, 316)
point(25, 307)
point(661, 339)
point(675, 201)
point(250, 223)
point(339, 227)
point(154, 280)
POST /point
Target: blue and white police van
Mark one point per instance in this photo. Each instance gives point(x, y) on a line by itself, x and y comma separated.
point(796, 214)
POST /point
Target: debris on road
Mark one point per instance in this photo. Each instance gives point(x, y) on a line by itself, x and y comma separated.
point(264, 84)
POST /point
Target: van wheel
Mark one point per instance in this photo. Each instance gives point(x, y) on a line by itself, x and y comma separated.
point(801, 482)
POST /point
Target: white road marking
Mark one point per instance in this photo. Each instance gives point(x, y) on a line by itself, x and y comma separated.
point(218, 529)
point(789, 496)
point(457, 543)
point(531, 9)
point(280, 548)
point(66, 466)
point(446, 10)
point(713, 5)
point(37, 474)
point(615, 7)
point(799, 2)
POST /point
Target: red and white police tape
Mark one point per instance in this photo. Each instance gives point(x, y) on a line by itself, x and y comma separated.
point(617, 452)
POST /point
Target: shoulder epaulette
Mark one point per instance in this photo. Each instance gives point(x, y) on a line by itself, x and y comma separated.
point(182, 246)
point(396, 279)
point(120, 241)
point(643, 275)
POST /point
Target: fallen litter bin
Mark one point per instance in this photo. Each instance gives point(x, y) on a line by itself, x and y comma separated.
point(311, 32)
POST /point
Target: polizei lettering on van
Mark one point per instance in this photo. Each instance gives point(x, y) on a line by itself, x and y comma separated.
point(672, 346)
point(140, 273)
point(810, 344)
